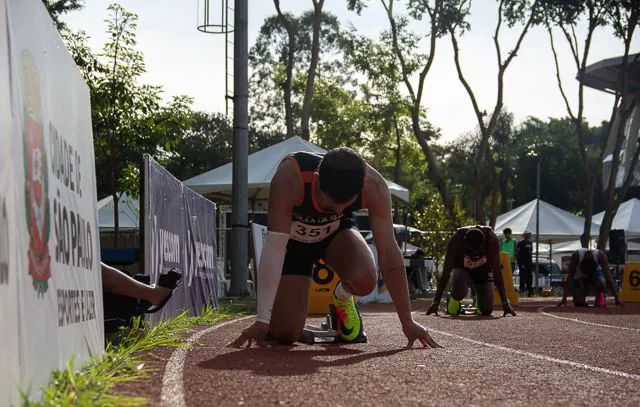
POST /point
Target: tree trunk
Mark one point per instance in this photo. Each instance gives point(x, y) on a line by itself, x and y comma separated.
point(625, 108)
point(397, 166)
point(311, 74)
point(291, 32)
point(495, 190)
point(486, 130)
point(432, 168)
point(433, 171)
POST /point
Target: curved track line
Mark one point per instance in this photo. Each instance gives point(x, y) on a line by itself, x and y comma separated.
point(540, 310)
point(172, 385)
point(542, 357)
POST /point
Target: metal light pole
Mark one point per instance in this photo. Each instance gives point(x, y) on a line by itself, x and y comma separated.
point(240, 204)
point(533, 152)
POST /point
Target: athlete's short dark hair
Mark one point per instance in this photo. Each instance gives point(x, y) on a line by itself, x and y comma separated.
point(474, 239)
point(341, 174)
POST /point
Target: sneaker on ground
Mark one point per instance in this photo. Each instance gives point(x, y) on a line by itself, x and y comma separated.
point(350, 327)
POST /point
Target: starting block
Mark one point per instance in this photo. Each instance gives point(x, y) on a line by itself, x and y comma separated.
point(326, 332)
point(465, 309)
point(470, 310)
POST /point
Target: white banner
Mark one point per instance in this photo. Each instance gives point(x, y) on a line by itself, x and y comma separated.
point(58, 251)
point(259, 233)
point(9, 351)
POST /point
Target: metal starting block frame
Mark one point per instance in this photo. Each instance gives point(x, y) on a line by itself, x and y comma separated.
point(327, 332)
point(467, 309)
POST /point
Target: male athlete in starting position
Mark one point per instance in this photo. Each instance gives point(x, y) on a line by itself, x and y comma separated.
point(589, 271)
point(473, 253)
point(311, 204)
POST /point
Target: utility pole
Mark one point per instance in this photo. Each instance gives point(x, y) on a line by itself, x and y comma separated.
point(240, 197)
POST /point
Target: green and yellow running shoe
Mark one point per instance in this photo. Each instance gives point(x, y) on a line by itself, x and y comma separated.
point(454, 307)
point(350, 327)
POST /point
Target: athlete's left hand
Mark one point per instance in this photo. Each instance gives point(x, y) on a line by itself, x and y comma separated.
point(508, 309)
point(619, 303)
point(414, 331)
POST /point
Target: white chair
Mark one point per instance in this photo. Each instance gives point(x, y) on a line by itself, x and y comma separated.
point(223, 283)
point(251, 286)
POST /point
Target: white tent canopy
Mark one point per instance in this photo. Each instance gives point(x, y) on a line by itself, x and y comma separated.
point(572, 246)
point(556, 225)
point(128, 213)
point(627, 218)
point(262, 166)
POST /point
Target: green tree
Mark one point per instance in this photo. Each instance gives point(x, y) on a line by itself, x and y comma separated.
point(623, 18)
point(405, 46)
point(561, 180)
point(502, 147)
point(208, 143)
point(57, 8)
point(509, 12)
point(434, 219)
point(386, 117)
point(128, 118)
point(339, 116)
point(284, 60)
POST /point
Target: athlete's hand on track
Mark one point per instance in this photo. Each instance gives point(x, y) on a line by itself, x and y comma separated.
point(508, 309)
point(256, 332)
point(562, 302)
point(619, 303)
point(433, 309)
point(415, 331)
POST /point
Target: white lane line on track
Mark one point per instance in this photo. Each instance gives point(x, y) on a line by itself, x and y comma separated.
point(172, 384)
point(541, 357)
point(541, 310)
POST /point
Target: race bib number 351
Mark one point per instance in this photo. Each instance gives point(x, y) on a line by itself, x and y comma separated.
point(312, 233)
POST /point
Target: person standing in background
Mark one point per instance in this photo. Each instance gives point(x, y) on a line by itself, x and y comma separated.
point(524, 256)
point(508, 245)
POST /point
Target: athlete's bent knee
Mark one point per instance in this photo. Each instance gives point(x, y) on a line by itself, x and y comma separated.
point(363, 281)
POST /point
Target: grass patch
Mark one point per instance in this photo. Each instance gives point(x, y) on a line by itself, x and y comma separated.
point(92, 383)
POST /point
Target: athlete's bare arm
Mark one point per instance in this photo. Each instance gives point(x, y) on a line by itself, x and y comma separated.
point(390, 258)
point(284, 193)
point(573, 266)
point(453, 249)
point(604, 263)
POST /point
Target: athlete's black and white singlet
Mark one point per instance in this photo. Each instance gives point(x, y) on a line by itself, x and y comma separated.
point(312, 229)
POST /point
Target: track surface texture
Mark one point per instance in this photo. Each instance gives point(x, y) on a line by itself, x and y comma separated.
point(544, 356)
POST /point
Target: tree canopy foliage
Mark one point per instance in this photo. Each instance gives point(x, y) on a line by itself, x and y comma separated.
point(366, 93)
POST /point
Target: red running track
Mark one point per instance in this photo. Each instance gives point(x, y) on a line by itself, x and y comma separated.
point(532, 359)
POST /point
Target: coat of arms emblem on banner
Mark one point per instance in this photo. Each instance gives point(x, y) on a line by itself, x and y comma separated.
point(36, 177)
